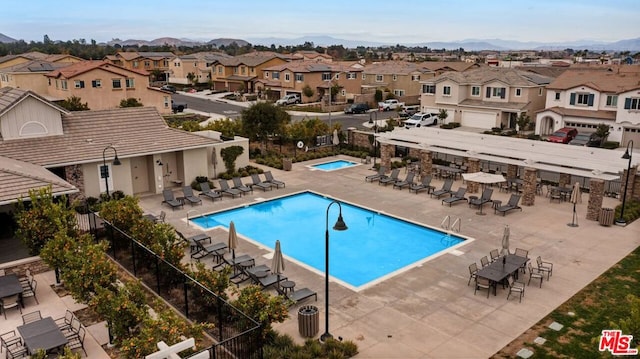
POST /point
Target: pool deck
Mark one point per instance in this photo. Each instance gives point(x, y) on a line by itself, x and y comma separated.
point(429, 311)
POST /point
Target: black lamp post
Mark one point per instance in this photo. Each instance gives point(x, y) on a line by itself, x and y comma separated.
point(104, 171)
point(339, 226)
point(628, 153)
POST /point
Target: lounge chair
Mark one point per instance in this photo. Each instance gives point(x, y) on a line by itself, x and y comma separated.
point(274, 182)
point(486, 197)
point(194, 240)
point(392, 178)
point(298, 295)
point(265, 281)
point(237, 184)
point(264, 186)
point(187, 191)
point(456, 197)
point(512, 204)
point(408, 181)
point(377, 176)
point(208, 192)
point(225, 189)
point(240, 279)
point(170, 199)
point(216, 250)
point(446, 189)
point(425, 184)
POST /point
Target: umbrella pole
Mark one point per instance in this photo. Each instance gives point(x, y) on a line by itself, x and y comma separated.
point(574, 219)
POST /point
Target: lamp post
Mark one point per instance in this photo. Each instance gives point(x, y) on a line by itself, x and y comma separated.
point(628, 153)
point(339, 226)
point(104, 171)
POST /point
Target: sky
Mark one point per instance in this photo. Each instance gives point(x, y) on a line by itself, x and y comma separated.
point(400, 21)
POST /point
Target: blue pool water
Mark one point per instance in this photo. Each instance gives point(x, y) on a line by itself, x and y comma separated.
point(333, 165)
point(375, 245)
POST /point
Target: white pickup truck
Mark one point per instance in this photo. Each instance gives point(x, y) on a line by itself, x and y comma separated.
point(389, 105)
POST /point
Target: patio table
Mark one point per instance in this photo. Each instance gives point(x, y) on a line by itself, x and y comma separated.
point(42, 334)
point(9, 285)
point(498, 271)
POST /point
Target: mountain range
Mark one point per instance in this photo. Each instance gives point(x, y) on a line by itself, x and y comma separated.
point(632, 45)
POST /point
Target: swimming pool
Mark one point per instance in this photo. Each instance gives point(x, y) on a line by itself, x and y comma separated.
point(375, 247)
point(333, 165)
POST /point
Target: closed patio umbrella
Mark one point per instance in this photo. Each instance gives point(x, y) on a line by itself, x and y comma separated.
point(277, 264)
point(233, 239)
point(576, 197)
point(505, 240)
point(336, 139)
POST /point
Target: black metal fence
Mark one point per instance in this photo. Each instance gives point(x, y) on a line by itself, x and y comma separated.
point(236, 334)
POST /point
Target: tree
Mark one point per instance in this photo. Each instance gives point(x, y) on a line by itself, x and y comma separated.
point(130, 102)
point(602, 131)
point(191, 77)
point(523, 121)
point(229, 156)
point(74, 103)
point(378, 95)
point(307, 91)
point(443, 114)
point(262, 120)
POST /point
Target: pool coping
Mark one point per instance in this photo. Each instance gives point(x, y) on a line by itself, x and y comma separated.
point(312, 168)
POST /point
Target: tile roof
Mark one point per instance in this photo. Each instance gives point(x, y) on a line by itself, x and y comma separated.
point(395, 68)
point(78, 68)
point(448, 65)
point(132, 131)
point(130, 55)
point(600, 114)
point(35, 66)
point(604, 79)
point(509, 76)
point(250, 59)
point(10, 97)
point(313, 66)
point(18, 177)
point(501, 105)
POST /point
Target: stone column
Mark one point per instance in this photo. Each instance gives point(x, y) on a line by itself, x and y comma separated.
point(386, 153)
point(426, 163)
point(630, 186)
point(596, 194)
point(565, 180)
point(512, 171)
point(75, 176)
point(529, 186)
point(474, 166)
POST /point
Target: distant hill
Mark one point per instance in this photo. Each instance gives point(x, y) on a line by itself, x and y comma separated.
point(172, 41)
point(6, 39)
point(227, 42)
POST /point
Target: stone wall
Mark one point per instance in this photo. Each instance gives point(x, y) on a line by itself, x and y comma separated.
point(474, 166)
point(426, 163)
point(75, 176)
point(512, 171)
point(35, 264)
point(564, 180)
point(360, 138)
point(386, 153)
point(529, 187)
point(633, 190)
point(596, 194)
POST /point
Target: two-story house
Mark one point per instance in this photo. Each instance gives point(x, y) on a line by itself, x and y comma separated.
point(12, 60)
point(30, 75)
point(485, 97)
point(155, 63)
point(237, 73)
point(191, 68)
point(584, 97)
point(103, 85)
point(402, 78)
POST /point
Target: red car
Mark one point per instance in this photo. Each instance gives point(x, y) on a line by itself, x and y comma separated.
point(563, 135)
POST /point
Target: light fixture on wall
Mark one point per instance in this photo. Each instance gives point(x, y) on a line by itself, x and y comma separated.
point(159, 163)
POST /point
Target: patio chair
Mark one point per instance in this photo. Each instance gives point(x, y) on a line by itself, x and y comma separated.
point(392, 178)
point(446, 189)
point(64, 323)
point(484, 261)
point(31, 317)
point(237, 184)
point(425, 184)
point(485, 198)
point(17, 351)
point(73, 329)
point(225, 189)
point(10, 302)
point(274, 182)
point(537, 274)
point(456, 197)
point(544, 266)
point(515, 287)
point(170, 199)
point(522, 252)
point(77, 341)
point(27, 278)
point(29, 290)
point(494, 254)
point(512, 204)
point(187, 191)
point(473, 270)
point(208, 192)
point(483, 283)
point(408, 181)
point(377, 176)
point(256, 182)
point(8, 339)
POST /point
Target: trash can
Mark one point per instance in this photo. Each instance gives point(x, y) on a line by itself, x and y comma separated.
point(606, 216)
point(286, 164)
point(308, 321)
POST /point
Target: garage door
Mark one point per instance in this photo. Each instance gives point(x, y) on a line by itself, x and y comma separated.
point(478, 119)
point(631, 134)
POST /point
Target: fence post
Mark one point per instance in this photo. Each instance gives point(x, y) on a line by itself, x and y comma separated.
point(186, 296)
point(157, 273)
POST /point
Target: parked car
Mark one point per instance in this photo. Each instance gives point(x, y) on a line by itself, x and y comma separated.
point(586, 139)
point(169, 88)
point(357, 108)
point(563, 135)
point(290, 99)
point(178, 106)
point(409, 111)
point(421, 119)
point(390, 104)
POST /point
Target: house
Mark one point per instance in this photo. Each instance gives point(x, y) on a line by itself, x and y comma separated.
point(586, 96)
point(103, 85)
point(77, 146)
point(155, 63)
point(30, 75)
point(293, 77)
point(402, 78)
point(12, 60)
point(191, 68)
point(310, 55)
point(239, 72)
point(485, 97)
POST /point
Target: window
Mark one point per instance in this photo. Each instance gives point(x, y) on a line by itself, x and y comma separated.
point(287, 77)
point(612, 100)
point(299, 77)
point(540, 91)
point(496, 92)
point(166, 101)
point(165, 63)
point(266, 74)
point(343, 92)
point(96, 84)
point(518, 92)
point(632, 103)
point(275, 75)
point(395, 77)
point(79, 84)
point(475, 90)
point(337, 77)
point(351, 76)
point(129, 83)
point(581, 99)
point(557, 96)
point(116, 84)
point(326, 76)
point(398, 92)
point(364, 76)
point(379, 78)
point(415, 77)
point(220, 70)
point(446, 90)
point(63, 84)
point(147, 64)
point(430, 89)
point(49, 80)
point(235, 70)
point(135, 64)
point(252, 70)
point(243, 70)
point(155, 63)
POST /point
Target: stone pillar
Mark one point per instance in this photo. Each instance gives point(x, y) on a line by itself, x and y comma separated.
point(565, 180)
point(75, 176)
point(529, 186)
point(596, 193)
point(386, 153)
point(474, 166)
point(512, 171)
point(629, 186)
point(426, 163)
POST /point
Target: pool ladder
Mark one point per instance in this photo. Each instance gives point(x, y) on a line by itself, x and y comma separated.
point(192, 211)
point(449, 228)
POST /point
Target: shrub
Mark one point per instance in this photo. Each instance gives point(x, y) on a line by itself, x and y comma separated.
point(533, 136)
point(631, 210)
point(229, 156)
point(611, 145)
point(261, 306)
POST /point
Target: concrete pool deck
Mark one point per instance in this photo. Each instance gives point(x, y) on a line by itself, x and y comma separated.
point(429, 311)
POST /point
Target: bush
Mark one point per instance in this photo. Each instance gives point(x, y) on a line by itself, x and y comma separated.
point(533, 136)
point(450, 125)
point(611, 145)
point(631, 210)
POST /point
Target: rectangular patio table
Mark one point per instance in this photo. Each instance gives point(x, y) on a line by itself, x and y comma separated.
point(42, 334)
point(498, 271)
point(9, 285)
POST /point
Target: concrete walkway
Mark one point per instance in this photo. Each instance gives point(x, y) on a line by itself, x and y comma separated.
point(429, 311)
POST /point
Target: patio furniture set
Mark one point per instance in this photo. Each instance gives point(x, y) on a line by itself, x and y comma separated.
point(14, 290)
